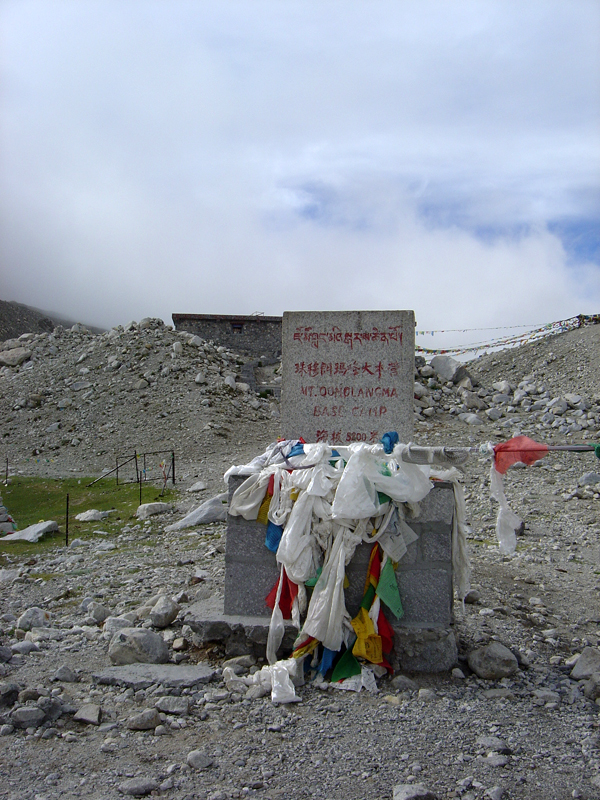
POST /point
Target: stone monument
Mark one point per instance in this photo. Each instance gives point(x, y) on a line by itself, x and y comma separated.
point(347, 375)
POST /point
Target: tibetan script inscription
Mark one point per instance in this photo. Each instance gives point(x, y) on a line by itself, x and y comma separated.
point(348, 376)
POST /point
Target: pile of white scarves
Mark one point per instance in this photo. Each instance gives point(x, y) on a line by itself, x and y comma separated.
point(337, 505)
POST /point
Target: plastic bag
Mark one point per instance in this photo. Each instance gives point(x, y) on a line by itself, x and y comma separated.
point(247, 498)
point(281, 678)
point(507, 521)
point(365, 475)
point(327, 608)
point(297, 549)
point(282, 688)
point(281, 502)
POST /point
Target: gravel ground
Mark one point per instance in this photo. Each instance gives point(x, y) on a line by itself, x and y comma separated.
point(533, 735)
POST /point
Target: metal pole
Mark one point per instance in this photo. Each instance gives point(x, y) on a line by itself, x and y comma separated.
point(67, 524)
point(117, 468)
point(6, 481)
point(173, 466)
point(137, 473)
point(140, 482)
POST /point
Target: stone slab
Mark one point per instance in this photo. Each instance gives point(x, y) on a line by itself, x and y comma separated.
point(347, 375)
point(239, 634)
point(141, 676)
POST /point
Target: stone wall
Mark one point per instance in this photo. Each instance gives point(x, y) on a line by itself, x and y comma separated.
point(424, 575)
point(253, 336)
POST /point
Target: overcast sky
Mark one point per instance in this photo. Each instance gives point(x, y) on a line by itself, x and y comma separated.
point(271, 155)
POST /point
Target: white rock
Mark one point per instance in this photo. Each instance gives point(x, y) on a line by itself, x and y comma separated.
point(14, 357)
point(33, 533)
point(34, 617)
point(147, 510)
point(213, 510)
point(93, 515)
point(199, 486)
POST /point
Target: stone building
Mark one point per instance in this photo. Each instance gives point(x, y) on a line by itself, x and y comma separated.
point(254, 336)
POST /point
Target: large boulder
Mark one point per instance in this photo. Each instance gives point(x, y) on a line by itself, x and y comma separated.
point(449, 368)
point(137, 645)
point(14, 357)
point(587, 663)
point(493, 662)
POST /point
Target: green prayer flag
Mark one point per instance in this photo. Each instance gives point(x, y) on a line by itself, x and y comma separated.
point(387, 589)
point(346, 667)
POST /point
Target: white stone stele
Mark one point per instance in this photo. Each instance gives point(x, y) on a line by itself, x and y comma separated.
point(348, 376)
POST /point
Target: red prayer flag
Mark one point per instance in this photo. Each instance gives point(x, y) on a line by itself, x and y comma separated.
point(289, 590)
point(521, 448)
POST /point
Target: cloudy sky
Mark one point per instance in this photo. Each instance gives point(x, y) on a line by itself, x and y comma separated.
point(269, 155)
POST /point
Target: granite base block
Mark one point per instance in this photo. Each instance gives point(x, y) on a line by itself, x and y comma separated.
point(238, 634)
point(423, 649)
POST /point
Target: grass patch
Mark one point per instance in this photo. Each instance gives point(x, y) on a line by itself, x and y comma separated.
point(33, 499)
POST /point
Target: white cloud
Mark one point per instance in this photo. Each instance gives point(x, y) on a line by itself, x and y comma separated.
point(269, 156)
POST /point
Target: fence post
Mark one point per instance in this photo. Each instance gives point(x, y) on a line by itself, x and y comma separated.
point(67, 523)
point(173, 466)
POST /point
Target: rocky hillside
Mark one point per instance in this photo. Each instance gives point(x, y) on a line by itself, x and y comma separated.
point(75, 400)
point(16, 318)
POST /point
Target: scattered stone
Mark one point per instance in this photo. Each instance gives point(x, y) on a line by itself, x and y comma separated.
point(34, 617)
point(14, 357)
point(33, 533)
point(146, 720)
point(89, 713)
point(591, 688)
point(27, 717)
point(199, 486)
point(493, 662)
point(132, 645)
point(5, 654)
point(65, 674)
point(495, 744)
point(199, 760)
point(413, 791)
point(24, 648)
point(178, 706)
point(9, 693)
point(402, 683)
point(213, 510)
point(138, 787)
point(164, 612)
point(92, 515)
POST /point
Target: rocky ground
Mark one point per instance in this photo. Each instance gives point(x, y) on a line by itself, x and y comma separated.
point(73, 400)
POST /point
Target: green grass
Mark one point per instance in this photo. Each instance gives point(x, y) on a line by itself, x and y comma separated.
point(30, 500)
